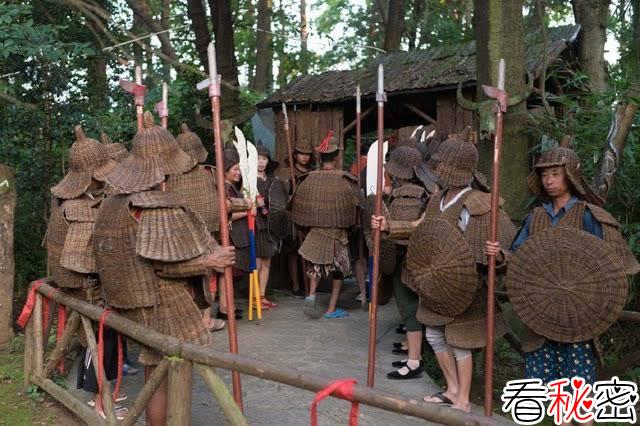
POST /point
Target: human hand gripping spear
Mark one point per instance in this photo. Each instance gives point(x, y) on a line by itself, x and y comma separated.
point(162, 107)
point(381, 98)
point(214, 95)
point(501, 97)
point(138, 90)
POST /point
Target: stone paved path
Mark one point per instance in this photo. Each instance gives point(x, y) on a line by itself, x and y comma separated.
point(335, 348)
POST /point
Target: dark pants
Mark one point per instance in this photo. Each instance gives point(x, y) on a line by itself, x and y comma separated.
point(87, 379)
point(406, 299)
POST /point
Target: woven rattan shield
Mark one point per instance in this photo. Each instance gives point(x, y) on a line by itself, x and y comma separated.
point(566, 285)
point(442, 267)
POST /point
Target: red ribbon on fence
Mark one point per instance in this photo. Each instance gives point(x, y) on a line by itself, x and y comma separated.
point(27, 309)
point(62, 321)
point(100, 368)
point(30, 304)
point(344, 389)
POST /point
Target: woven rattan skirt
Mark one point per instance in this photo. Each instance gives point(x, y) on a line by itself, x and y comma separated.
point(176, 315)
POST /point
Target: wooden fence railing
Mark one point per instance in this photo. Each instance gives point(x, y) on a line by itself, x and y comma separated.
point(181, 359)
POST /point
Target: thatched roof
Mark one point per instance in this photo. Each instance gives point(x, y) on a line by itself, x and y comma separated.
point(439, 68)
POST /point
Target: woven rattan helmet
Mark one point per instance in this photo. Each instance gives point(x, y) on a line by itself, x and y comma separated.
point(442, 267)
point(117, 151)
point(155, 154)
point(457, 160)
point(566, 157)
point(566, 285)
point(88, 159)
point(328, 145)
point(191, 144)
point(303, 146)
point(402, 161)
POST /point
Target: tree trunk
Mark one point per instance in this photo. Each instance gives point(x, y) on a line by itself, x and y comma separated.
point(592, 16)
point(7, 265)
point(623, 116)
point(166, 48)
point(416, 16)
point(395, 26)
point(198, 16)
point(304, 33)
point(97, 82)
point(499, 34)
point(264, 52)
point(221, 16)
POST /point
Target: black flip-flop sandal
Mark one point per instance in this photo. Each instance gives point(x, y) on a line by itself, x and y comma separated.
point(440, 395)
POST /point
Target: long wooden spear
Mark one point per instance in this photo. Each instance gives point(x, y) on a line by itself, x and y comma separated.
point(358, 134)
point(162, 107)
point(499, 94)
point(214, 95)
point(373, 321)
point(287, 136)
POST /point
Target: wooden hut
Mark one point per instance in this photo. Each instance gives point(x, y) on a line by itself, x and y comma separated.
point(420, 86)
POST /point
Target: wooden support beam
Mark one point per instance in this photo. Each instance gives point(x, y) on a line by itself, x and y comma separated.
point(365, 113)
point(63, 344)
point(38, 352)
point(179, 392)
point(29, 350)
point(107, 401)
point(79, 408)
point(419, 113)
point(152, 383)
point(220, 392)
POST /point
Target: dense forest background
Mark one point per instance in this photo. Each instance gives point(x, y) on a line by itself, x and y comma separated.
point(60, 61)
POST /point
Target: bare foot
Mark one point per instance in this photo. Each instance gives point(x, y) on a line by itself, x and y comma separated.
point(466, 407)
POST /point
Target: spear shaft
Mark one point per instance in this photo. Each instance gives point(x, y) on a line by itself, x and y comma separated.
point(214, 94)
point(373, 320)
point(287, 136)
point(501, 107)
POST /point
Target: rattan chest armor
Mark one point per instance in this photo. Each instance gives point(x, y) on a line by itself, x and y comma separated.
point(541, 221)
point(198, 187)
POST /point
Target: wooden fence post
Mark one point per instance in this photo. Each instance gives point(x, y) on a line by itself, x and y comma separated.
point(107, 401)
point(28, 352)
point(222, 395)
point(38, 338)
point(179, 392)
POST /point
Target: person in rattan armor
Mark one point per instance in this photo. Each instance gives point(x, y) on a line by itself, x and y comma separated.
point(406, 203)
point(304, 162)
point(70, 257)
point(265, 245)
point(447, 264)
point(567, 202)
point(147, 242)
point(325, 202)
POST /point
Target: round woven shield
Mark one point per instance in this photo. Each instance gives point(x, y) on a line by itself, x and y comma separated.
point(442, 267)
point(565, 285)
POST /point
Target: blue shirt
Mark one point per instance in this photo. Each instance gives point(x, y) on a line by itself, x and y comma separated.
point(589, 223)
